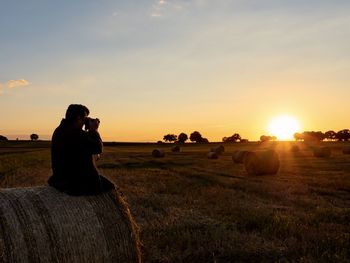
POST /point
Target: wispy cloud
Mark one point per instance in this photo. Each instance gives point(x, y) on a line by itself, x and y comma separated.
point(13, 83)
point(161, 8)
point(17, 83)
point(158, 8)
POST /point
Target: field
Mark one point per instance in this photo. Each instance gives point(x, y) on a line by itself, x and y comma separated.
point(191, 209)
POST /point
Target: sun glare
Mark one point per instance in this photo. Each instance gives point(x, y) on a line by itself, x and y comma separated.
point(283, 127)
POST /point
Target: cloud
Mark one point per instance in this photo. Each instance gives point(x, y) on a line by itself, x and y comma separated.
point(156, 15)
point(17, 83)
point(163, 8)
point(13, 84)
point(158, 8)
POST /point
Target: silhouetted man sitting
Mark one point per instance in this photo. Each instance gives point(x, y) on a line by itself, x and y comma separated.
point(72, 150)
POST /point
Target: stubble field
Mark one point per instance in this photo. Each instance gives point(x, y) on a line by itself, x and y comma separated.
point(191, 209)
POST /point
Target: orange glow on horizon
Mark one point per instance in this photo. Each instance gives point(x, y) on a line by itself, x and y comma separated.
point(284, 127)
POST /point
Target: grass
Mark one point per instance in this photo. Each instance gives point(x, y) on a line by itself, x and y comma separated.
point(191, 209)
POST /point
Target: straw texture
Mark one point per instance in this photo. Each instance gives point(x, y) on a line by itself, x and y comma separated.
point(41, 224)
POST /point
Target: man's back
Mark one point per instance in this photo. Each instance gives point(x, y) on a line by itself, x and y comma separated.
point(72, 158)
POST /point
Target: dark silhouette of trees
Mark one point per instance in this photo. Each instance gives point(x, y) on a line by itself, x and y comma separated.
point(316, 136)
point(234, 138)
point(298, 136)
point(343, 135)
point(266, 138)
point(197, 137)
point(204, 140)
point(182, 138)
point(312, 136)
point(34, 137)
point(170, 137)
point(307, 136)
point(3, 138)
point(330, 135)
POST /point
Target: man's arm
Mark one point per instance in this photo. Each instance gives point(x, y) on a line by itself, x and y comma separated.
point(93, 142)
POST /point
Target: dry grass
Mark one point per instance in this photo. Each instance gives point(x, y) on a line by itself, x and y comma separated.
point(191, 209)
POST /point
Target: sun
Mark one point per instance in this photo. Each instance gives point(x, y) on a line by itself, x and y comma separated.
point(284, 127)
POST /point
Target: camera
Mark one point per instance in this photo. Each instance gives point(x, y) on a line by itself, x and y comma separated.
point(89, 120)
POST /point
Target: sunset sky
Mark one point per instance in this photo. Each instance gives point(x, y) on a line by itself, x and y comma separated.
point(148, 68)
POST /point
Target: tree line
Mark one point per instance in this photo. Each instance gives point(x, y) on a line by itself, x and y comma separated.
point(342, 135)
point(195, 136)
point(33, 137)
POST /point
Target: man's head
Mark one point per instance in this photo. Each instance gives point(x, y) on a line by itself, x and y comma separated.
point(76, 114)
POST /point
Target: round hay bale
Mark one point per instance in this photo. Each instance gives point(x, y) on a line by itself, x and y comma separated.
point(238, 156)
point(218, 149)
point(261, 162)
point(322, 152)
point(158, 153)
point(175, 149)
point(41, 224)
point(212, 155)
point(346, 150)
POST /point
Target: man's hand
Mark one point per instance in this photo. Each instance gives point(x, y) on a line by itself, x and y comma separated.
point(94, 124)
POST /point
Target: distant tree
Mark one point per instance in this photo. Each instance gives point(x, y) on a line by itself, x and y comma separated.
point(182, 138)
point(234, 138)
point(159, 142)
point(343, 135)
point(196, 137)
point(34, 137)
point(312, 136)
point(265, 138)
point(330, 135)
point(170, 137)
point(244, 140)
point(3, 138)
point(204, 140)
point(298, 136)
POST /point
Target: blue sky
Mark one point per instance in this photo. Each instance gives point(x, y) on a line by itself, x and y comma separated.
point(147, 68)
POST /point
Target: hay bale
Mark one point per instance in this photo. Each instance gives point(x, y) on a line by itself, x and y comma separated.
point(218, 149)
point(261, 162)
point(322, 152)
point(238, 156)
point(41, 224)
point(212, 155)
point(346, 150)
point(158, 153)
point(175, 149)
